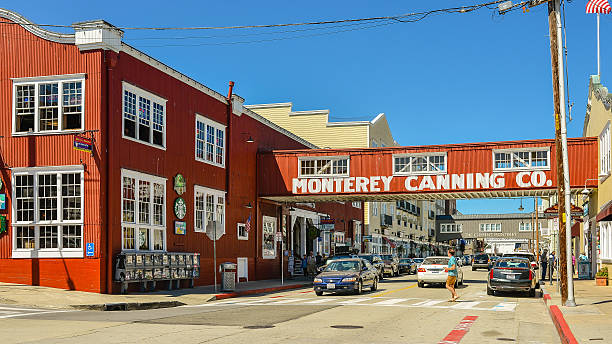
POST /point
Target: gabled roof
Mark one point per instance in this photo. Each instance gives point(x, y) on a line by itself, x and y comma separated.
point(596, 92)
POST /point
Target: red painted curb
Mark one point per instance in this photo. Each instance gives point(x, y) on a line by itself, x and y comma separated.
point(260, 291)
point(565, 334)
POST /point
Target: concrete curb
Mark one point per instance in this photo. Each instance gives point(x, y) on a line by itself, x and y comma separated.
point(128, 306)
point(259, 291)
point(565, 333)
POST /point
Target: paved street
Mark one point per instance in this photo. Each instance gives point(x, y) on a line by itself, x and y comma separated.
point(399, 312)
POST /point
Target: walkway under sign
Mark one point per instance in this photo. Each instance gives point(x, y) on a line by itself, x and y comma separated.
point(455, 171)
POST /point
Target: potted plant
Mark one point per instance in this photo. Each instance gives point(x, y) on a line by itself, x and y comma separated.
point(601, 278)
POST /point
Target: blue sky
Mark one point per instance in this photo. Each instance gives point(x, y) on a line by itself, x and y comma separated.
point(447, 79)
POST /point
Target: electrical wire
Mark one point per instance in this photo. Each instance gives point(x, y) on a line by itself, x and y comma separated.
point(567, 92)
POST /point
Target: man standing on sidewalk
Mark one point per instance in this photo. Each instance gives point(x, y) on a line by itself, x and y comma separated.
point(544, 262)
point(451, 269)
point(551, 265)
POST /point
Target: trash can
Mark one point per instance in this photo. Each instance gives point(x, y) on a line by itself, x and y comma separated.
point(584, 269)
point(228, 276)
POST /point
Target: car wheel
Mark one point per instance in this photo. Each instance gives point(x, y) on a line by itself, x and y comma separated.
point(359, 288)
point(473, 269)
point(374, 285)
point(532, 292)
point(319, 293)
point(381, 277)
point(461, 282)
point(490, 291)
point(421, 284)
point(537, 285)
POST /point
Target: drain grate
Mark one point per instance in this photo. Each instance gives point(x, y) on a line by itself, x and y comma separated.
point(506, 339)
point(346, 327)
point(255, 327)
point(595, 338)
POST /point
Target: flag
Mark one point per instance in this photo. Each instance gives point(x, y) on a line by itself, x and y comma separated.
point(248, 224)
point(598, 6)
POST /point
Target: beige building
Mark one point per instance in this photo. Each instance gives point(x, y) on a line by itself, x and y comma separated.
point(597, 228)
point(387, 225)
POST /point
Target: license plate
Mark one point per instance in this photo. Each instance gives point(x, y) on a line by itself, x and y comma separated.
point(331, 286)
point(511, 276)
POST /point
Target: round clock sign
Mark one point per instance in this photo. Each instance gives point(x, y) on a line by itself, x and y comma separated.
point(180, 208)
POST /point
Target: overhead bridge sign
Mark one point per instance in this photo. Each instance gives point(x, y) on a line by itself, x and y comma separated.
point(445, 182)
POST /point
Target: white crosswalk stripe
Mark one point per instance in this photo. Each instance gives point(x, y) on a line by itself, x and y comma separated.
point(480, 305)
point(12, 312)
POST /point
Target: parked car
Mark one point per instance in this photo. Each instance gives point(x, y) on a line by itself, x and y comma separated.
point(512, 274)
point(350, 274)
point(377, 262)
point(418, 261)
point(481, 261)
point(467, 259)
point(492, 261)
point(407, 265)
point(433, 271)
point(391, 264)
point(528, 255)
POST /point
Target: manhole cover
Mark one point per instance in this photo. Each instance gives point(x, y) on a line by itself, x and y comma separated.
point(507, 339)
point(255, 327)
point(346, 327)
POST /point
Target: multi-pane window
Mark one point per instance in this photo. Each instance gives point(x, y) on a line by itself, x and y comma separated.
point(356, 204)
point(451, 228)
point(143, 211)
point(429, 163)
point(604, 151)
point(242, 232)
point(144, 116)
point(210, 141)
point(48, 212)
point(524, 159)
point(47, 104)
point(324, 166)
point(209, 209)
point(525, 227)
point(490, 227)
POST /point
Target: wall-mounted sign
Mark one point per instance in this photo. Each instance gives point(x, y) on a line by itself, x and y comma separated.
point(180, 209)
point(179, 184)
point(82, 143)
point(89, 249)
point(2, 201)
point(1, 183)
point(2, 224)
point(180, 227)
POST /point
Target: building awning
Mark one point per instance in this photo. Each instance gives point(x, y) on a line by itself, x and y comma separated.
point(605, 214)
point(389, 242)
point(576, 229)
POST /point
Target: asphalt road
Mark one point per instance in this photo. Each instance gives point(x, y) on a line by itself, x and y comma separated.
point(398, 312)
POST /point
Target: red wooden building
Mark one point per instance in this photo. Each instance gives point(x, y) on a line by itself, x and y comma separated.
point(149, 124)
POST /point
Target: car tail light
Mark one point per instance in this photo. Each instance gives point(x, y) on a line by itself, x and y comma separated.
point(422, 270)
point(530, 275)
point(491, 274)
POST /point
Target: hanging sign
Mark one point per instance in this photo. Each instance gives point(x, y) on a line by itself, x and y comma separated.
point(82, 143)
point(179, 184)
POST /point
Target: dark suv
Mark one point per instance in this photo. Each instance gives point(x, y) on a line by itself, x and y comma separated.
point(481, 261)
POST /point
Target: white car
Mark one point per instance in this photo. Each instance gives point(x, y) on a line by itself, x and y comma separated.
point(432, 271)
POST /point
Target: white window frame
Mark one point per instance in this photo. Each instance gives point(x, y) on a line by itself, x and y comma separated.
point(154, 99)
point(265, 220)
point(427, 156)
point(151, 179)
point(492, 227)
point(525, 227)
point(356, 204)
point(332, 159)
point(198, 189)
point(605, 241)
point(246, 234)
point(216, 126)
point(529, 167)
point(38, 252)
point(451, 228)
point(604, 152)
point(36, 81)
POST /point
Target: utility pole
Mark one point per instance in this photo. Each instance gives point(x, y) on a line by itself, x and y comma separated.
point(536, 230)
point(563, 191)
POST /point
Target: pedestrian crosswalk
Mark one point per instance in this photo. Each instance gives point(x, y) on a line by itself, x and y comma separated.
point(7, 311)
point(480, 305)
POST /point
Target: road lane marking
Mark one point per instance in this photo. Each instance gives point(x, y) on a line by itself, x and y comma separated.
point(318, 301)
point(389, 302)
point(286, 301)
point(465, 305)
point(353, 301)
point(428, 303)
point(37, 312)
point(504, 306)
point(459, 331)
point(393, 291)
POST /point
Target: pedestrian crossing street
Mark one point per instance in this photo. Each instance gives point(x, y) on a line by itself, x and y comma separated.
point(479, 305)
point(7, 311)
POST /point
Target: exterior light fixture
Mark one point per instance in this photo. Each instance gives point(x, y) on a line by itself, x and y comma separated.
point(250, 140)
point(521, 206)
point(585, 192)
point(248, 205)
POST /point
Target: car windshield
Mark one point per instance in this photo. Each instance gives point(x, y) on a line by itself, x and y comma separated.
point(512, 263)
point(343, 265)
point(481, 256)
point(386, 257)
point(418, 260)
point(435, 261)
point(369, 258)
point(406, 260)
point(520, 255)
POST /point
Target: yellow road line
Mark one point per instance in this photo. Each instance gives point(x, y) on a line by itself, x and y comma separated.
point(393, 291)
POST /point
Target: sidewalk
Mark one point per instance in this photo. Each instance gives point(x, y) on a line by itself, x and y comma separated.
point(591, 319)
point(44, 297)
